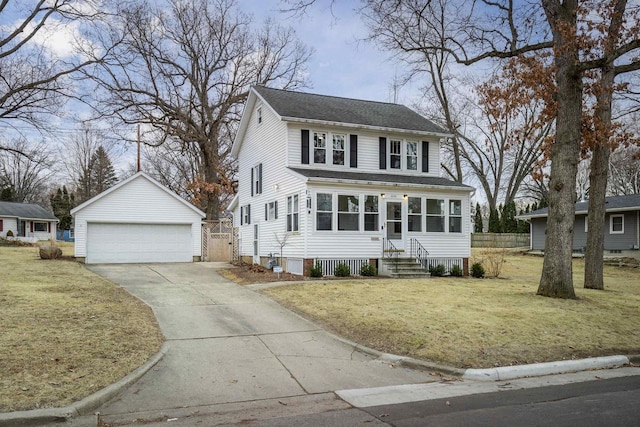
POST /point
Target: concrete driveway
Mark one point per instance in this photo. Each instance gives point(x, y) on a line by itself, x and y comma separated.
point(230, 345)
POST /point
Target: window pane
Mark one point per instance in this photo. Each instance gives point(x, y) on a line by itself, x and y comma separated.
point(323, 221)
point(435, 207)
point(435, 223)
point(455, 224)
point(319, 156)
point(395, 154)
point(320, 147)
point(371, 222)
point(414, 222)
point(455, 207)
point(371, 204)
point(412, 155)
point(324, 202)
point(348, 203)
point(295, 203)
point(348, 221)
point(415, 205)
point(295, 222)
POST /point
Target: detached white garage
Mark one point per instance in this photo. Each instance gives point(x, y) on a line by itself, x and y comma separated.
point(138, 220)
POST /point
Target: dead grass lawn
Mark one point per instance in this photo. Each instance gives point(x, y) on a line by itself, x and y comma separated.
point(467, 322)
point(66, 332)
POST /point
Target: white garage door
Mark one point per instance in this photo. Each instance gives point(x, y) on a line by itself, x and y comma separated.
point(125, 243)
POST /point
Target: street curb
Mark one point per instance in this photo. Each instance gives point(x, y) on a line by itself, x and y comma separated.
point(83, 407)
point(541, 369)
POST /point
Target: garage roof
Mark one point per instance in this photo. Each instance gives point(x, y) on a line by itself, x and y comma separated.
point(125, 182)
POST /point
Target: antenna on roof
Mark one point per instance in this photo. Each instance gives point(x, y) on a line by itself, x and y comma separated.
point(138, 147)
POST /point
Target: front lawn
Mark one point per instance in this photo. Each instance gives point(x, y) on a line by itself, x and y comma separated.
point(467, 322)
point(66, 332)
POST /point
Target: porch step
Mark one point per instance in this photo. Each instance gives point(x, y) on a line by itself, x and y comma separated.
point(405, 268)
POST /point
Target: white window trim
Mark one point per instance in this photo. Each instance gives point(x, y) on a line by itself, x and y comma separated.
point(328, 147)
point(611, 231)
point(292, 212)
point(403, 155)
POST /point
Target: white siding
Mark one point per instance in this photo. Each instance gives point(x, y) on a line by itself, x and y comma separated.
point(368, 150)
point(361, 244)
point(9, 224)
point(266, 143)
point(138, 201)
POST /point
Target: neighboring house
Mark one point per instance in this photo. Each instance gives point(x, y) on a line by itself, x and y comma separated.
point(27, 221)
point(621, 226)
point(67, 235)
point(344, 180)
point(137, 220)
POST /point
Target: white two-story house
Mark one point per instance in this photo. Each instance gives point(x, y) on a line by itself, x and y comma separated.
point(344, 180)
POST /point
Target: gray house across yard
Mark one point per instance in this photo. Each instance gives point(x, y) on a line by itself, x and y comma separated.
point(621, 230)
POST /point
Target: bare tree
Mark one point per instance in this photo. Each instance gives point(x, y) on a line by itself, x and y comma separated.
point(34, 81)
point(185, 71)
point(27, 170)
point(505, 29)
point(624, 171)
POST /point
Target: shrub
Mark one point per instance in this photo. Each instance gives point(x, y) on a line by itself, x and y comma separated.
point(316, 271)
point(477, 270)
point(456, 270)
point(342, 270)
point(50, 252)
point(494, 259)
point(368, 270)
point(437, 270)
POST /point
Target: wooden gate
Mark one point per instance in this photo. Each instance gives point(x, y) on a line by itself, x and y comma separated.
point(219, 241)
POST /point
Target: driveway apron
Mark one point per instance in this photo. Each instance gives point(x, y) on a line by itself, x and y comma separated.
point(228, 344)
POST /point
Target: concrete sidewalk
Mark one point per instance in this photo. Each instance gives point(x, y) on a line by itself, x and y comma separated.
point(228, 344)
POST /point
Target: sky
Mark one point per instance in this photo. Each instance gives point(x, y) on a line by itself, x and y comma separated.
point(343, 63)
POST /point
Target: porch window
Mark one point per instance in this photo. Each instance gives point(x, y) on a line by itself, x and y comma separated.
point(371, 214)
point(412, 156)
point(40, 227)
point(395, 154)
point(455, 216)
point(319, 147)
point(324, 211)
point(616, 224)
point(338, 149)
point(348, 212)
point(414, 218)
point(292, 213)
point(435, 215)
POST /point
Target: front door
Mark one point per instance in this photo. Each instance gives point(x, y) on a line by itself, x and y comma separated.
point(394, 224)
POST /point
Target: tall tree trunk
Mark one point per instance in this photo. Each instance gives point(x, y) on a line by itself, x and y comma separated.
point(557, 272)
point(593, 262)
point(212, 203)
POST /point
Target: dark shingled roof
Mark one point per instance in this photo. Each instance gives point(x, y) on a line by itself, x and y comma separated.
point(25, 210)
point(631, 201)
point(345, 110)
point(375, 177)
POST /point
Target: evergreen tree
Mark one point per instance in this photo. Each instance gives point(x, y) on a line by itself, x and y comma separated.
point(508, 218)
point(62, 202)
point(99, 176)
point(494, 221)
point(478, 226)
point(7, 194)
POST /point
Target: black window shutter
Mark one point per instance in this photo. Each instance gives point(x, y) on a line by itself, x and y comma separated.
point(248, 208)
point(353, 151)
point(425, 156)
point(305, 146)
point(252, 181)
point(260, 178)
point(241, 215)
point(276, 209)
point(266, 211)
point(383, 152)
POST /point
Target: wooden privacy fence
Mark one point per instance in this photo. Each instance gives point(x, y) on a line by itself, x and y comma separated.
point(219, 241)
point(499, 240)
